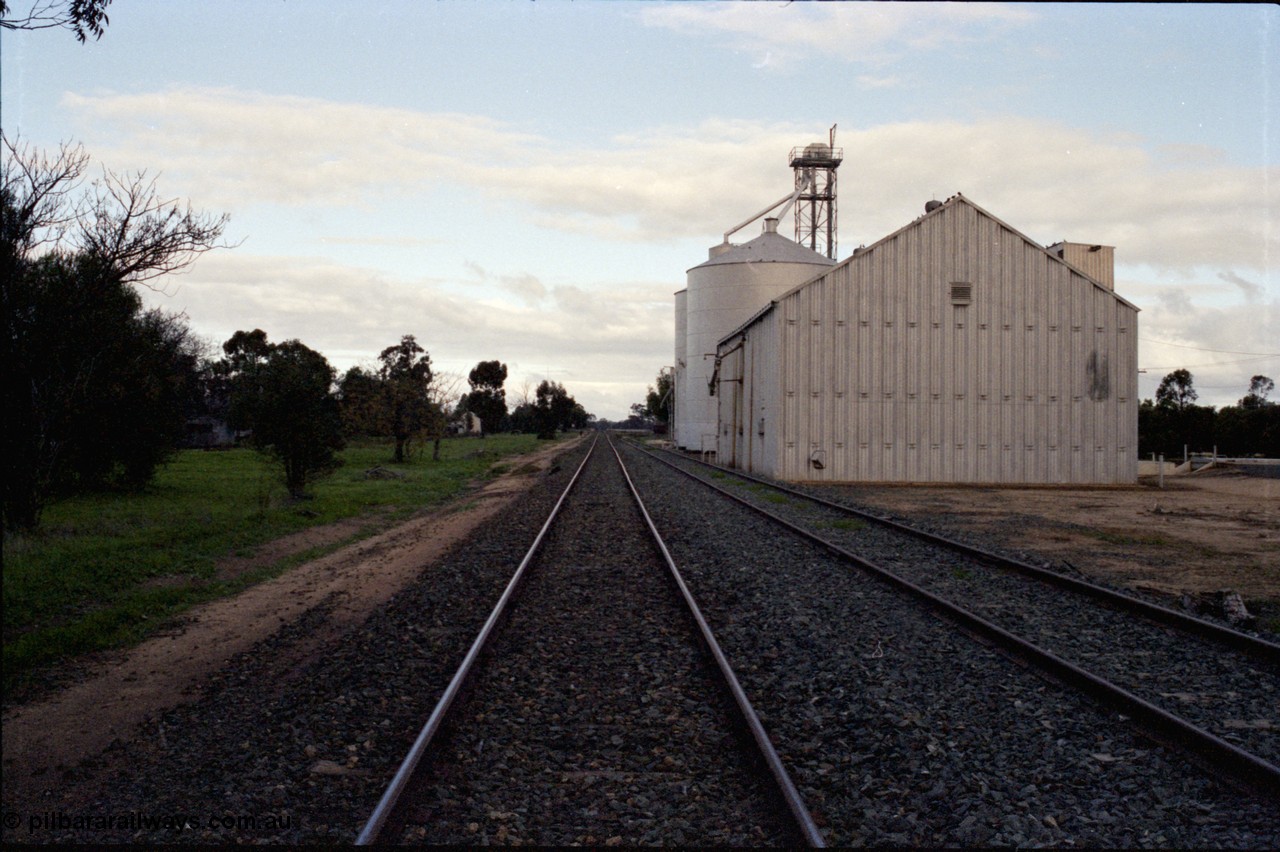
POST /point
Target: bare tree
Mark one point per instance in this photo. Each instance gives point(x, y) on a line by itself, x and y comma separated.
point(444, 392)
point(122, 221)
point(141, 234)
point(526, 393)
point(38, 191)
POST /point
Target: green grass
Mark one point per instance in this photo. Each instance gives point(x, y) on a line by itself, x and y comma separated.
point(767, 493)
point(108, 569)
point(846, 524)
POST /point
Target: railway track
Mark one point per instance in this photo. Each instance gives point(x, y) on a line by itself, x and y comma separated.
point(901, 729)
point(1223, 684)
point(895, 727)
point(594, 707)
point(588, 720)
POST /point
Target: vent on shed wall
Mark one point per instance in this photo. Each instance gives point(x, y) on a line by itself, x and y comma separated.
point(961, 293)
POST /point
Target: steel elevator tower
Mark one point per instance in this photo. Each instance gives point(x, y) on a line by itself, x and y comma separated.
point(815, 170)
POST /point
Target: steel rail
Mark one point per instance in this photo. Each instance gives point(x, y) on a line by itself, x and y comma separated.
point(378, 820)
point(1261, 648)
point(1245, 767)
point(795, 804)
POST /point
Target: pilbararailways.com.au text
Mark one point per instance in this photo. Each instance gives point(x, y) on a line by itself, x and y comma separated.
point(134, 821)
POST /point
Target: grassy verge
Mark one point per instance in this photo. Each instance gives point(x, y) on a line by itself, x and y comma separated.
point(108, 569)
point(846, 524)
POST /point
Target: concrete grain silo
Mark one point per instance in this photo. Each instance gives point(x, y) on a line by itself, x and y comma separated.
point(678, 374)
point(723, 293)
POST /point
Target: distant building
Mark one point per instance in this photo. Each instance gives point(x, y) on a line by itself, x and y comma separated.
point(467, 423)
point(955, 349)
point(206, 433)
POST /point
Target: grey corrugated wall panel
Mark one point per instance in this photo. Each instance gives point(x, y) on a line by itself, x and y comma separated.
point(768, 393)
point(755, 402)
point(889, 381)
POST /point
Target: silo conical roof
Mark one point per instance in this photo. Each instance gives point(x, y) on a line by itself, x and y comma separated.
point(769, 247)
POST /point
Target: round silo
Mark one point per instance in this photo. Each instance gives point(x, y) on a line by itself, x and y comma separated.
point(722, 294)
point(682, 348)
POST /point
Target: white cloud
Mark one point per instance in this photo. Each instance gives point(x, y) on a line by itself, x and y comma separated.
point(1193, 155)
point(870, 81)
point(526, 286)
point(788, 34)
point(1178, 213)
point(236, 145)
point(1220, 377)
point(1055, 182)
point(226, 149)
point(382, 242)
point(348, 313)
point(1222, 335)
point(1251, 290)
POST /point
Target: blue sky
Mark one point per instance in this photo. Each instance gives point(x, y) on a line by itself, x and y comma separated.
point(530, 181)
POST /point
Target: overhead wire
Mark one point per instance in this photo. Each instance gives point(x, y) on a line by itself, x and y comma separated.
point(1202, 349)
point(1214, 364)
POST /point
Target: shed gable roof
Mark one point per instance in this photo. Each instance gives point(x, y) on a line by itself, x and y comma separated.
point(949, 204)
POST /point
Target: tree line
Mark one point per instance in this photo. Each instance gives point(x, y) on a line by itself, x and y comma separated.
point(293, 407)
point(655, 410)
point(1172, 423)
point(99, 392)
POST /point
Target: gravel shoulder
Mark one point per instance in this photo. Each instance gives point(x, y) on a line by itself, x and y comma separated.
point(86, 726)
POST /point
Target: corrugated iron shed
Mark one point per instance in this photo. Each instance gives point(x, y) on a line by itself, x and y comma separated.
point(953, 350)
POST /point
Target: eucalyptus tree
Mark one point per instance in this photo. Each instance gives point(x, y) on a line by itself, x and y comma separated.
point(1176, 390)
point(83, 17)
point(488, 398)
point(282, 393)
point(408, 409)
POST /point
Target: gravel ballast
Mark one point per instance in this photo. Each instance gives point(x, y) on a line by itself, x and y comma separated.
point(1233, 695)
point(595, 718)
point(898, 729)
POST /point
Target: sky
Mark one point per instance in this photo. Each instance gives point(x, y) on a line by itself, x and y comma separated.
point(531, 181)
